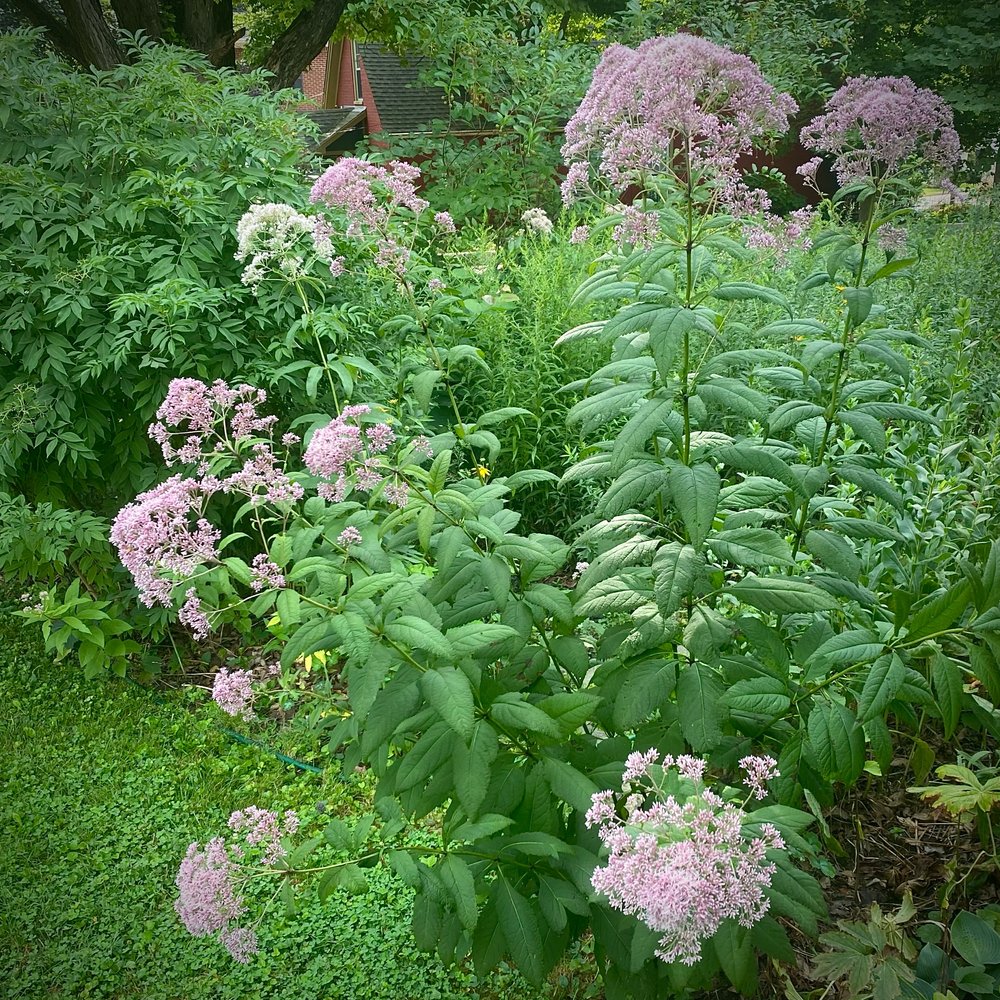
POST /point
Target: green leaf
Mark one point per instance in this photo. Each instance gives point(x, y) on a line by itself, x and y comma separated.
point(859, 304)
point(645, 688)
point(837, 741)
point(666, 333)
point(477, 829)
point(735, 953)
point(570, 709)
point(493, 417)
point(519, 924)
point(870, 482)
point(471, 766)
point(695, 491)
point(744, 290)
point(938, 614)
point(834, 552)
point(791, 413)
point(946, 677)
point(675, 568)
point(450, 694)
point(699, 697)
point(512, 711)
point(569, 784)
point(730, 395)
point(885, 678)
point(757, 547)
point(759, 696)
point(852, 646)
point(430, 751)
point(418, 634)
point(633, 488)
point(636, 434)
point(458, 881)
point(480, 639)
point(782, 595)
point(974, 939)
point(898, 264)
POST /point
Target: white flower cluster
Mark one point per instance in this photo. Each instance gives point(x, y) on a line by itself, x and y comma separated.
point(277, 238)
point(536, 221)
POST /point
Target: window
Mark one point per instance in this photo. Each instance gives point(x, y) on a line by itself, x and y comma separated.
point(357, 73)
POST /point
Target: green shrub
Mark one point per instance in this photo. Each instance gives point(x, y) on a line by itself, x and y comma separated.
point(121, 195)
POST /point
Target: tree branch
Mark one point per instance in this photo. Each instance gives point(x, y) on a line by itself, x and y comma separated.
point(303, 40)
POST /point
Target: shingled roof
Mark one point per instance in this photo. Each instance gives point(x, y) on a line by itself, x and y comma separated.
point(404, 104)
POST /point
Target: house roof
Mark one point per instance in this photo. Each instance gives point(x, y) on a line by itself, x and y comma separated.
point(334, 122)
point(404, 104)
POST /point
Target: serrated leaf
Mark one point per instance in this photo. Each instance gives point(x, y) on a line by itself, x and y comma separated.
point(764, 696)
point(699, 698)
point(458, 882)
point(450, 694)
point(519, 924)
point(695, 492)
point(570, 709)
point(471, 766)
point(645, 688)
point(431, 750)
point(937, 614)
point(418, 634)
point(885, 678)
point(782, 595)
point(636, 434)
point(837, 741)
point(485, 826)
point(946, 678)
point(756, 547)
point(569, 784)
point(851, 646)
point(675, 568)
point(512, 711)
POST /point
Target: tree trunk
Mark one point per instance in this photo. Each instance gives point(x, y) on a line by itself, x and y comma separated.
point(139, 15)
point(302, 41)
point(56, 31)
point(97, 45)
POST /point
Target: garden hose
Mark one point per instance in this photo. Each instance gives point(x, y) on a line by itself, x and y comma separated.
point(239, 737)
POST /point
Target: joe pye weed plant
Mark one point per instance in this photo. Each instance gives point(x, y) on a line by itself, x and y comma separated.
point(730, 614)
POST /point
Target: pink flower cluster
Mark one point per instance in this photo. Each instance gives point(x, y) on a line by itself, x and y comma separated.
point(196, 412)
point(781, 235)
point(208, 880)
point(162, 537)
point(670, 105)
point(263, 829)
point(637, 228)
point(878, 125)
point(232, 691)
point(681, 865)
point(368, 193)
point(163, 531)
point(346, 454)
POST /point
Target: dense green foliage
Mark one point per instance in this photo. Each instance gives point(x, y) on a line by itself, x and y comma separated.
point(103, 790)
point(606, 493)
point(121, 196)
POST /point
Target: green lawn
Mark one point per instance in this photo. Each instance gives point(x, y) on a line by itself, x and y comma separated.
point(102, 789)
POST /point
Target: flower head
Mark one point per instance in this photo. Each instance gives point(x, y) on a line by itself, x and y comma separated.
point(233, 692)
point(879, 125)
point(277, 239)
point(672, 102)
point(682, 866)
point(161, 536)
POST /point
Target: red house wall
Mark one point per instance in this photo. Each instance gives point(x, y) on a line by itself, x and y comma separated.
point(314, 77)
